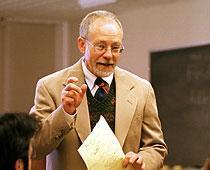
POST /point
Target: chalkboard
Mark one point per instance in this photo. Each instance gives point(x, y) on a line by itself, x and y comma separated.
point(181, 80)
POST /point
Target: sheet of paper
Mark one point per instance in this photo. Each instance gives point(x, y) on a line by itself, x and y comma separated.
point(101, 150)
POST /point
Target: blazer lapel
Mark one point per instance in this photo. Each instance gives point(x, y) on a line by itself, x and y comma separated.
point(125, 106)
point(83, 120)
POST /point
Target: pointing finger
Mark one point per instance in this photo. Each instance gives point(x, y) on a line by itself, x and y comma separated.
point(73, 87)
point(72, 79)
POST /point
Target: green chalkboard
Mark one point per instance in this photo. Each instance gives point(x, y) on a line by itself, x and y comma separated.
point(181, 80)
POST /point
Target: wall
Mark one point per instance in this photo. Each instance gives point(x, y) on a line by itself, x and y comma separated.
point(171, 25)
point(1, 66)
point(29, 52)
point(74, 32)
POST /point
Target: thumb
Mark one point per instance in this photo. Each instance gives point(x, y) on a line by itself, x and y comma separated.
point(84, 88)
point(126, 161)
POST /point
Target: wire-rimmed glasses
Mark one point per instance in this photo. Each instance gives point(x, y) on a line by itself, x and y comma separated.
point(101, 48)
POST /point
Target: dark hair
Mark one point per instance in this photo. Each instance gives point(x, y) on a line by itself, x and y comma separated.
point(16, 130)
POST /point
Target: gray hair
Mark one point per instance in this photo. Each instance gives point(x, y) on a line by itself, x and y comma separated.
point(91, 17)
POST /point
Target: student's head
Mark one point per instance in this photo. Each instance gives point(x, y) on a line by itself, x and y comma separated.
point(100, 41)
point(16, 130)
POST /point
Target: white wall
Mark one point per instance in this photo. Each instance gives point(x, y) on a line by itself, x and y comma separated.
point(173, 25)
point(74, 33)
point(27, 54)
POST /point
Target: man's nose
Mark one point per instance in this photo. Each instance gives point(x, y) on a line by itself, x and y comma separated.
point(108, 53)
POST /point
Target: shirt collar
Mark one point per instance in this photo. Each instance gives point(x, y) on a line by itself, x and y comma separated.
point(90, 77)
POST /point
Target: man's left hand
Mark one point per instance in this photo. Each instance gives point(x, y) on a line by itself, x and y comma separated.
point(135, 160)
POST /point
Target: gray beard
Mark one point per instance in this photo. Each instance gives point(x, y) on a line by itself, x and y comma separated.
point(102, 73)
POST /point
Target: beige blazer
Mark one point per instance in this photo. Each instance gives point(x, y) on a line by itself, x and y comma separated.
point(137, 126)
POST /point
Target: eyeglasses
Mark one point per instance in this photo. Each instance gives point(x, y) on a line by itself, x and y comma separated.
point(101, 48)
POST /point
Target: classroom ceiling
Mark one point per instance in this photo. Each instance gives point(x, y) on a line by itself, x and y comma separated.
point(66, 9)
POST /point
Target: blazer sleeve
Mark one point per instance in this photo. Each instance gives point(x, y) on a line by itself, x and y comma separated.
point(54, 122)
point(152, 147)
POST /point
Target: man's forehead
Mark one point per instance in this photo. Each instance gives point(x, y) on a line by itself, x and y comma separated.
point(104, 24)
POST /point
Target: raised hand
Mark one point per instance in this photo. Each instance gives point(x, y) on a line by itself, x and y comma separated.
point(72, 95)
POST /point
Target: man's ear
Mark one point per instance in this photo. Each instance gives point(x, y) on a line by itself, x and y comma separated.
point(19, 164)
point(81, 44)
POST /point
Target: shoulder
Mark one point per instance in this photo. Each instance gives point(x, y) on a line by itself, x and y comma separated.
point(132, 78)
point(56, 76)
point(62, 75)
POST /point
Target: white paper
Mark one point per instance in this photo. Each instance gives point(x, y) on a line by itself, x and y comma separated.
point(101, 150)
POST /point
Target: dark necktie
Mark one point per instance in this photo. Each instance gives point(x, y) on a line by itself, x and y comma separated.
point(103, 89)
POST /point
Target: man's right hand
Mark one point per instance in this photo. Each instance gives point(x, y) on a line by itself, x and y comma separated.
point(72, 95)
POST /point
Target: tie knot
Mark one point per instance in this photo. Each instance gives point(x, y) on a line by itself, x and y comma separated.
point(103, 85)
point(100, 82)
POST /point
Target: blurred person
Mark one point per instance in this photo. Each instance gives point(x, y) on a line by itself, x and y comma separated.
point(16, 130)
point(69, 103)
point(207, 163)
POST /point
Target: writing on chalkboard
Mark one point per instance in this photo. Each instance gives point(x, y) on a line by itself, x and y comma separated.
point(197, 72)
point(196, 75)
point(198, 97)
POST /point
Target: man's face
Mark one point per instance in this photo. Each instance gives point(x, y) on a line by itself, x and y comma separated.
point(104, 39)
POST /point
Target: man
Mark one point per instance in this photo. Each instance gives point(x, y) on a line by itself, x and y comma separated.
point(69, 102)
point(16, 130)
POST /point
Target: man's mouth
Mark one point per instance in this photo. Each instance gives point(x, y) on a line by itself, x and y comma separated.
point(106, 64)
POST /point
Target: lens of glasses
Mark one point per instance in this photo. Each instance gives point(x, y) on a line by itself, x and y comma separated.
point(101, 48)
